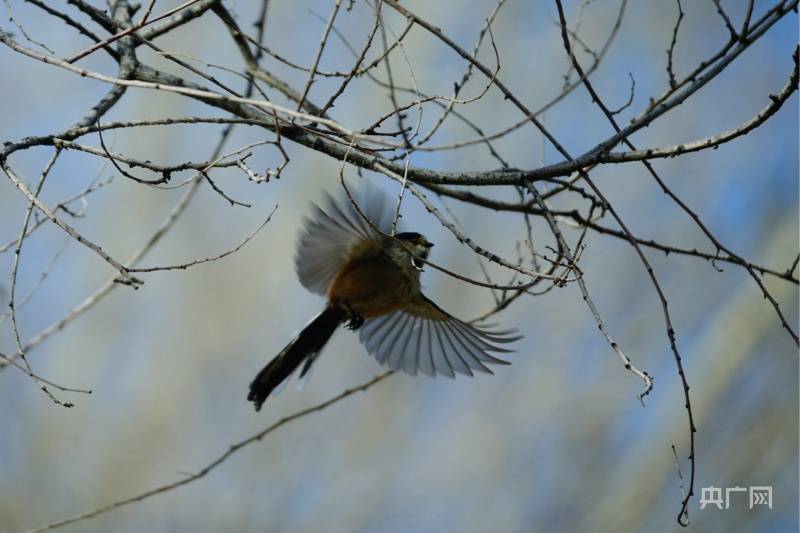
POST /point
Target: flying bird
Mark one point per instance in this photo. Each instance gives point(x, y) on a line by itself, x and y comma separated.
point(371, 280)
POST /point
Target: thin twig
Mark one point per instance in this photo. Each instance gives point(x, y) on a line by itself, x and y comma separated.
point(184, 266)
point(670, 71)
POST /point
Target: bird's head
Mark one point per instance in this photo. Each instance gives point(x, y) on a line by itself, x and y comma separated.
point(416, 244)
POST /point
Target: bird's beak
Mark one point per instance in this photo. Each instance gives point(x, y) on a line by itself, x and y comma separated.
point(428, 245)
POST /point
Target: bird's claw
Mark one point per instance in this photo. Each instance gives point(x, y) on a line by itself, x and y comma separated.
point(354, 321)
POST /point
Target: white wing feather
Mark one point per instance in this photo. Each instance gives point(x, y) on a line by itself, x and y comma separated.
point(424, 342)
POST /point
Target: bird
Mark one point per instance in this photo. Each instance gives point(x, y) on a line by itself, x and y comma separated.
point(370, 279)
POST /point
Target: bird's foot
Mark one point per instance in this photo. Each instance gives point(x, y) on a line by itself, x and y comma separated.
point(354, 321)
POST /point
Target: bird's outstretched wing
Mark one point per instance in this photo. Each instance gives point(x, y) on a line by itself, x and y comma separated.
point(333, 232)
point(424, 338)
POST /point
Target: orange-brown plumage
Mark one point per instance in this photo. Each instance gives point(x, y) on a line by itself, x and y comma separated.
point(370, 287)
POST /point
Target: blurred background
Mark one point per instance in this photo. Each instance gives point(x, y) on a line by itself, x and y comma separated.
point(555, 442)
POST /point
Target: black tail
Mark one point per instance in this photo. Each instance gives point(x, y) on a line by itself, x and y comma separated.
point(304, 347)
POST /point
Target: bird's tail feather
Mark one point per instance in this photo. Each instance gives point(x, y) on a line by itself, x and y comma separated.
point(304, 348)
